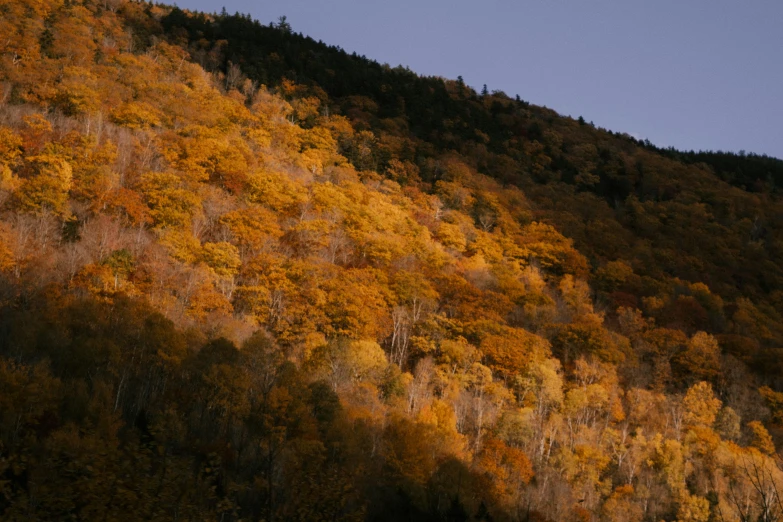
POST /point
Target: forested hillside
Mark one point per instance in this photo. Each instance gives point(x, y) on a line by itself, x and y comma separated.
point(248, 276)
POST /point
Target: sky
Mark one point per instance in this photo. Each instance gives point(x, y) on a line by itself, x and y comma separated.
point(692, 74)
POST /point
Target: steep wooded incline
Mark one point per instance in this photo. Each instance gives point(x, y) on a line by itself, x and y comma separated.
point(247, 276)
point(588, 181)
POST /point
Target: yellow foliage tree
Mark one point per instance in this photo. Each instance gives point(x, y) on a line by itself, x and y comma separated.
point(46, 189)
point(700, 406)
point(222, 258)
point(171, 203)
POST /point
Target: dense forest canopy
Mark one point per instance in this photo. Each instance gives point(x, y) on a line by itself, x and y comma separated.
point(245, 275)
point(593, 174)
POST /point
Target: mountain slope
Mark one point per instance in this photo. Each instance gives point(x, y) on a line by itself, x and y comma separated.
point(609, 181)
point(356, 293)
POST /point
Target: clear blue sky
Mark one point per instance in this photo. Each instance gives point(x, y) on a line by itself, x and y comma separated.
point(693, 74)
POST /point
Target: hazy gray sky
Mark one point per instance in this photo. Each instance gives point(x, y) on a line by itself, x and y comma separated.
point(694, 74)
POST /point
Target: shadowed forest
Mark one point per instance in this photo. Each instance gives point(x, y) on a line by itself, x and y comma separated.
point(245, 275)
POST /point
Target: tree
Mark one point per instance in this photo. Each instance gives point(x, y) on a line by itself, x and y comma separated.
point(507, 470)
point(700, 359)
point(356, 305)
point(46, 189)
point(252, 228)
point(171, 203)
point(283, 25)
point(512, 351)
point(760, 438)
point(700, 405)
